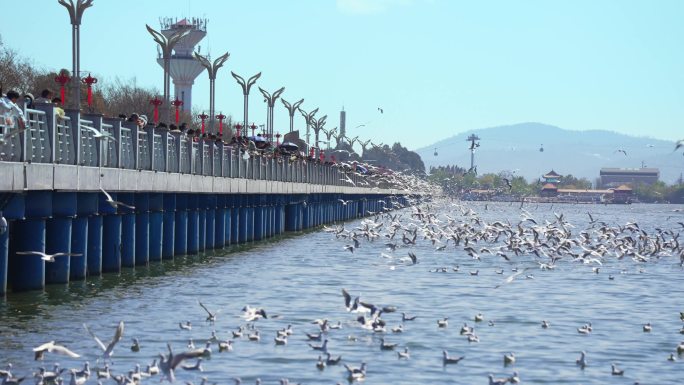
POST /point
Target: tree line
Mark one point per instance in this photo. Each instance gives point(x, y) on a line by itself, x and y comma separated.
point(456, 181)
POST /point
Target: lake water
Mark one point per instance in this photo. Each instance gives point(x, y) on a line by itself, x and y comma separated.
point(299, 278)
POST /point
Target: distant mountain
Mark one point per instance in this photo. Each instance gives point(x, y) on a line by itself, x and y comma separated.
point(580, 153)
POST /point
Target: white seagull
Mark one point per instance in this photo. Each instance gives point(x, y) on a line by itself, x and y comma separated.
point(109, 348)
point(114, 203)
point(51, 347)
point(48, 257)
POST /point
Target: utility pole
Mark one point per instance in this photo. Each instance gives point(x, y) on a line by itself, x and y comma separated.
point(473, 145)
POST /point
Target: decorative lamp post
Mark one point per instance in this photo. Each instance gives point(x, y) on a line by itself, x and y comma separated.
point(156, 102)
point(177, 105)
point(166, 46)
point(308, 117)
point(245, 90)
point(317, 125)
point(277, 135)
point(291, 108)
point(270, 100)
point(220, 118)
point(212, 68)
point(89, 81)
point(204, 117)
point(238, 127)
point(62, 79)
point(253, 127)
point(75, 14)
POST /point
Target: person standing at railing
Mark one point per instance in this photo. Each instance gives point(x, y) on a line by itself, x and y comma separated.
point(10, 111)
point(57, 101)
point(45, 96)
point(141, 121)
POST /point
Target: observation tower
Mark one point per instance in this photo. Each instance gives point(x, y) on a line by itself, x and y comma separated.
point(184, 68)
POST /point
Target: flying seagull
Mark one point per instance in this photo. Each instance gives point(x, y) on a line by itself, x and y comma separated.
point(97, 134)
point(114, 203)
point(679, 144)
point(381, 110)
point(109, 348)
point(622, 151)
point(51, 347)
point(48, 257)
point(508, 183)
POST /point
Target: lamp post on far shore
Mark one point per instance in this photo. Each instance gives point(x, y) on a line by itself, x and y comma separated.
point(75, 14)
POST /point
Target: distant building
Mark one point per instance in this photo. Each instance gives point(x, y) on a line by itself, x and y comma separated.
point(552, 177)
point(343, 122)
point(615, 177)
point(549, 190)
point(622, 194)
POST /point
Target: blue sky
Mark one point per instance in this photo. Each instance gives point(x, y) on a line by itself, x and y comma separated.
point(435, 67)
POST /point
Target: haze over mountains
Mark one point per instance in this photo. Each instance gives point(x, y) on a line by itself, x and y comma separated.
point(580, 153)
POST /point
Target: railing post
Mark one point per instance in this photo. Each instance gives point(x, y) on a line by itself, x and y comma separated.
point(75, 117)
point(116, 132)
point(97, 124)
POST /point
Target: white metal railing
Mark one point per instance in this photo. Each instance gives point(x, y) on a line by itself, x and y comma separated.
point(52, 137)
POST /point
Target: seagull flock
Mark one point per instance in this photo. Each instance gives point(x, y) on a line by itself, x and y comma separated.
point(454, 232)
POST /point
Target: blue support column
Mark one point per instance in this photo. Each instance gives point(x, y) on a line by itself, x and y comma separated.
point(210, 229)
point(220, 227)
point(57, 240)
point(209, 201)
point(291, 217)
point(235, 220)
point(58, 236)
point(156, 206)
point(142, 229)
point(180, 246)
point(111, 235)
point(202, 226)
point(128, 240)
point(128, 237)
point(79, 245)
point(111, 243)
point(258, 223)
point(250, 223)
point(27, 271)
point(305, 217)
point(228, 225)
point(279, 213)
point(94, 255)
point(169, 226)
point(4, 259)
point(193, 225)
point(243, 225)
point(156, 236)
point(14, 209)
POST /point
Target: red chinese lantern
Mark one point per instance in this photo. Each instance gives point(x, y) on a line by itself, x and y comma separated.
point(89, 81)
point(177, 104)
point(62, 80)
point(204, 117)
point(156, 102)
point(253, 127)
point(220, 118)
